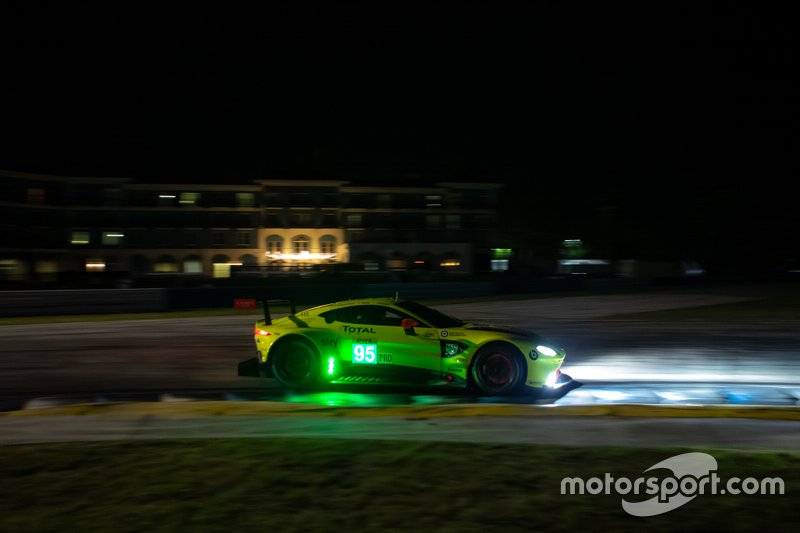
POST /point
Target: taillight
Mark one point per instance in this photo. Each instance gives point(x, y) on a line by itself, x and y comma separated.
point(262, 332)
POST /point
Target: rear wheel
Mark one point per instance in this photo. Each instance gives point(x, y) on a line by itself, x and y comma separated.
point(295, 364)
point(498, 370)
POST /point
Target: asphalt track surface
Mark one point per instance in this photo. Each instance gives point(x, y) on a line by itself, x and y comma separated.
point(617, 361)
point(189, 361)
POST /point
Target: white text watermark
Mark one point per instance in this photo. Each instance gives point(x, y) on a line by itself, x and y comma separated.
point(693, 474)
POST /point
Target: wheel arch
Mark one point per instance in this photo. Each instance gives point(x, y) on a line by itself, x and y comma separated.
point(496, 343)
point(286, 338)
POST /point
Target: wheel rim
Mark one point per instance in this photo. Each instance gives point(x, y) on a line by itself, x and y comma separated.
point(294, 366)
point(497, 371)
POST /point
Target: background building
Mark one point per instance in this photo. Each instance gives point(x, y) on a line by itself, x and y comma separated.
point(53, 227)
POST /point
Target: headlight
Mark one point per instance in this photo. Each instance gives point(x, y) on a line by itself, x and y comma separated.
point(546, 350)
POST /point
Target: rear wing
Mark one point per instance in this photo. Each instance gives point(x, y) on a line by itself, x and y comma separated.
point(266, 303)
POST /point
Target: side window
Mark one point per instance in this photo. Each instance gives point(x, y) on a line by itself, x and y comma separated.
point(330, 316)
point(367, 315)
point(357, 314)
point(392, 317)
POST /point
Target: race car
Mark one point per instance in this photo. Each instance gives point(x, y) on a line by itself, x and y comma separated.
point(387, 341)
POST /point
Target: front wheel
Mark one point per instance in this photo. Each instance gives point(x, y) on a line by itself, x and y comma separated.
point(498, 370)
point(295, 364)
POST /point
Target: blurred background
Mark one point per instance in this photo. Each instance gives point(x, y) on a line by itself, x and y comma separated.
point(508, 145)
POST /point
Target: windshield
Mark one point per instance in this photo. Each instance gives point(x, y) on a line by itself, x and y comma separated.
point(431, 316)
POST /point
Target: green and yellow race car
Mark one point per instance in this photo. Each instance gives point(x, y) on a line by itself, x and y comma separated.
point(385, 341)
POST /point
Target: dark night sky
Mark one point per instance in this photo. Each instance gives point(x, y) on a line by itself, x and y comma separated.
point(620, 100)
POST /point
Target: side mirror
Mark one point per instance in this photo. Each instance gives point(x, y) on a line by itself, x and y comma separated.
point(409, 323)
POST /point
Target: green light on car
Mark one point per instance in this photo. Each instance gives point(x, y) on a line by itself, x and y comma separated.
point(331, 365)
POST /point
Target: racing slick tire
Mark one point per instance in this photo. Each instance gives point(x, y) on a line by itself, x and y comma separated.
point(498, 370)
point(296, 364)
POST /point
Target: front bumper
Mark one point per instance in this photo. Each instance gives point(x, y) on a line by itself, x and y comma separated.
point(563, 385)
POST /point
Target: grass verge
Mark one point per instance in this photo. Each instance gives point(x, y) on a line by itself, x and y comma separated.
point(336, 485)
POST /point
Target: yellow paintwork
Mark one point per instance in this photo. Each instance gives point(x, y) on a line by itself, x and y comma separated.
point(423, 350)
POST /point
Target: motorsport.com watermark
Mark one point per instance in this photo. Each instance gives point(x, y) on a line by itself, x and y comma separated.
point(693, 474)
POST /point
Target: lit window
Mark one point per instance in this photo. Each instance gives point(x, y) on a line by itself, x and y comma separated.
point(189, 198)
point(245, 199)
point(193, 266)
point(46, 267)
point(223, 270)
point(301, 244)
point(327, 244)
point(95, 265)
point(396, 264)
point(79, 237)
point(165, 267)
point(499, 265)
point(166, 199)
point(274, 244)
point(12, 269)
point(111, 238)
point(433, 200)
point(165, 264)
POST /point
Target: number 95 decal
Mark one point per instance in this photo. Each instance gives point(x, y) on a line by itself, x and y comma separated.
point(365, 354)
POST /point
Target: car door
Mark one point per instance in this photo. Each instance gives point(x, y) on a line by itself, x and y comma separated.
point(373, 335)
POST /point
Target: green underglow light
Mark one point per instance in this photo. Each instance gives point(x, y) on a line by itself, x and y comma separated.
point(331, 363)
